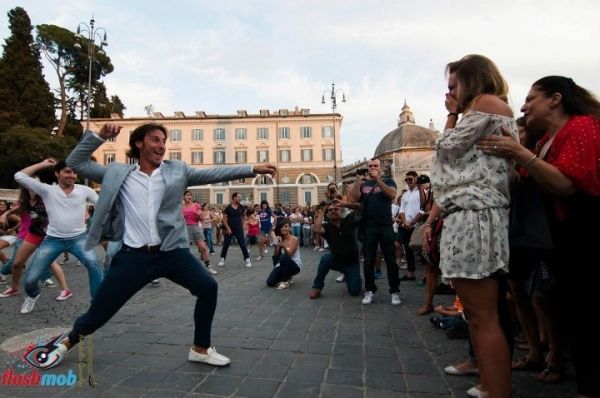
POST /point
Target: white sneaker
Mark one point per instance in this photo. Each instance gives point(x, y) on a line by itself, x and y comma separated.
point(476, 392)
point(395, 299)
point(212, 357)
point(258, 258)
point(368, 298)
point(248, 263)
point(211, 270)
point(266, 251)
point(29, 304)
point(340, 278)
point(48, 283)
point(221, 262)
point(283, 285)
point(3, 278)
point(155, 282)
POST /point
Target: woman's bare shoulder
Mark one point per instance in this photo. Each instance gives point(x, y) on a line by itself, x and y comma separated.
point(491, 104)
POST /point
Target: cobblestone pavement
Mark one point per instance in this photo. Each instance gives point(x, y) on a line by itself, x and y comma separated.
point(281, 343)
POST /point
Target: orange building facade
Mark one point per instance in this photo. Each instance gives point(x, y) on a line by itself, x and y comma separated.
point(302, 145)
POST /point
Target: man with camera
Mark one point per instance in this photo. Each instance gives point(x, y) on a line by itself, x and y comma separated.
point(375, 193)
point(340, 232)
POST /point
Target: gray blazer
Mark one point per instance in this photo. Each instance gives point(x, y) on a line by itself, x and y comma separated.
point(108, 215)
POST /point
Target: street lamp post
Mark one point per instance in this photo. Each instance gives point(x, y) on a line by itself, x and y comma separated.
point(92, 33)
point(333, 98)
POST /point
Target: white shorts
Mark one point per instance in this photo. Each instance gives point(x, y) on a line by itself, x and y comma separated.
point(11, 239)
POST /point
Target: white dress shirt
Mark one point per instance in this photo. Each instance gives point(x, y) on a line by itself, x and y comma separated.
point(141, 195)
point(411, 204)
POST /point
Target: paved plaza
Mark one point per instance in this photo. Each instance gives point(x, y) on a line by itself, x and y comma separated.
point(281, 343)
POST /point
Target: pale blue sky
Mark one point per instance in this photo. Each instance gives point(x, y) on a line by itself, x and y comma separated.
point(228, 55)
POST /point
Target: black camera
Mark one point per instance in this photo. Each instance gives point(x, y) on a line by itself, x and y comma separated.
point(325, 203)
point(362, 172)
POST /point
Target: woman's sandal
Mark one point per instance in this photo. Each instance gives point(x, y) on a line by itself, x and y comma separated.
point(550, 375)
point(526, 364)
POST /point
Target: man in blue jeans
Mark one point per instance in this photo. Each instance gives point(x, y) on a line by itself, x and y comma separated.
point(140, 204)
point(340, 233)
point(66, 204)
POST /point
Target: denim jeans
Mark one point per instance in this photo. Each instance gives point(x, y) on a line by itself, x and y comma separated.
point(208, 235)
point(52, 247)
point(350, 270)
point(131, 270)
point(284, 271)
point(296, 231)
point(7, 268)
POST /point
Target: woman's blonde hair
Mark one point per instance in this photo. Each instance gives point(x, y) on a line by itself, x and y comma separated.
point(477, 75)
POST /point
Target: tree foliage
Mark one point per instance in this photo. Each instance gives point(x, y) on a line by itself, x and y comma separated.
point(25, 96)
point(34, 145)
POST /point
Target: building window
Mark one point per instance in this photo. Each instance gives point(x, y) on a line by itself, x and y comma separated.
point(112, 139)
point(174, 155)
point(284, 133)
point(219, 156)
point(240, 157)
point(197, 135)
point(197, 157)
point(175, 135)
point(263, 196)
point(131, 160)
point(307, 197)
point(196, 197)
point(327, 132)
point(263, 180)
point(285, 155)
point(307, 155)
point(327, 153)
point(306, 132)
point(285, 180)
point(109, 158)
point(262, 155)
point(219, 134)
point(329, 178)
point(219, 198)
point(240, 134)
point(285, 197)
point(308, 179)
point(262, 133)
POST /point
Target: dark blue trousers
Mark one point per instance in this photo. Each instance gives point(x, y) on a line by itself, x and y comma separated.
point(350, 270)
point(239, 236)
point(131, 270)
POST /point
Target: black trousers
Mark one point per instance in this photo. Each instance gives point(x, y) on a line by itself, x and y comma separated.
point(382, 236)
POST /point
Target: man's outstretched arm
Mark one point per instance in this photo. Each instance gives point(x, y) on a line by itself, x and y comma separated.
point(80, 158)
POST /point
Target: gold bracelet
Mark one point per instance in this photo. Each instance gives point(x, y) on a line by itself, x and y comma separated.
point(531, 161)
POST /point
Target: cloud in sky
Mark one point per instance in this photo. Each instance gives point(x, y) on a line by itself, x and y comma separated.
point(223, 56)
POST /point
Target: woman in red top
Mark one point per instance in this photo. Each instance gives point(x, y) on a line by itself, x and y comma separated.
point(566, 165)
point(192, 213)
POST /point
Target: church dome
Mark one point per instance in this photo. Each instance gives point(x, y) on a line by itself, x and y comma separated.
point(406, 135)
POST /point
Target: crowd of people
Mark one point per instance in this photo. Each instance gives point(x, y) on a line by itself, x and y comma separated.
point(502, 218)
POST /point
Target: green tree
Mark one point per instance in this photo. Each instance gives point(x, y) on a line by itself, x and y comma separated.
point(25, 96)
point(116, 106)
point(34, 144)
point(68, 56)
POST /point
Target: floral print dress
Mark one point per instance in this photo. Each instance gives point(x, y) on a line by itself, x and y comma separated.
point(474, 188)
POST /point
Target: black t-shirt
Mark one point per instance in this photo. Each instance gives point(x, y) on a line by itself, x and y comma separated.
point(235, 217)
point(378, 210)
point(342, 240)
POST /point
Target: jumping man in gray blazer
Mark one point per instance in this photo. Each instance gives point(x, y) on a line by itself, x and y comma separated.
point(141, 205)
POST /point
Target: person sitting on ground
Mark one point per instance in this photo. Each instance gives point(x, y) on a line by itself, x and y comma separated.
point(286, 258)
